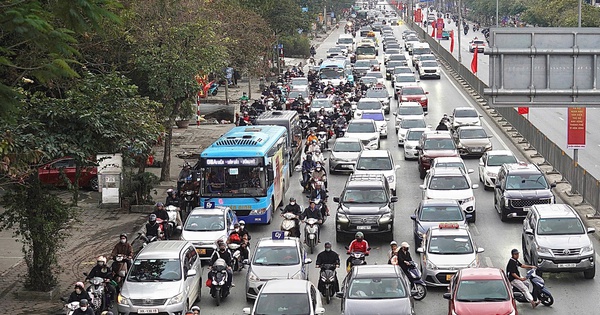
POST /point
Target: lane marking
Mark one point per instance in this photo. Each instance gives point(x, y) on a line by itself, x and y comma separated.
point(488, 262)
point(475, 229)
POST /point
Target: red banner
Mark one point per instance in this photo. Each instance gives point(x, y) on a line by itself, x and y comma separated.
point(418, 15)
point(474, 61)
point(576, 128)
point(440, 27)
point(451, 41)
point(433, 29)
point(523, 110)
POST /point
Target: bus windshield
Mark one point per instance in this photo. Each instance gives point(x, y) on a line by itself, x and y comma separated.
point(237, 181)
point(331, 73)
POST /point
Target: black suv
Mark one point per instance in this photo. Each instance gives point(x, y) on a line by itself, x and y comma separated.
point(518, 187)
point(365, 205)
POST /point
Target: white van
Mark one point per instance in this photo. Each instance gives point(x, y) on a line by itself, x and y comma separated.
point(346, 40)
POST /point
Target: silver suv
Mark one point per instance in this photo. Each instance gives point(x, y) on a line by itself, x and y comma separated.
point(555, 239)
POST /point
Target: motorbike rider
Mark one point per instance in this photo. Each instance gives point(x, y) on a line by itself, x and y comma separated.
point(172, 199)
point(359, 244)
point(392, 251)
point(320, 193)
point(102, 270)
point(512, 270)
point(79, 293)
point(161, 213)
point(441, 126)
point(318, 157)
point(307, 166)
point(404, 257)
point(314, 145)
point(311, 137)
point(123, 248)
point(328, 256)
point(244, 97)
point(236, 237)
point(319, 175)
point(152, 228)
point(314, 213)
point(245, 120)
point(294, 208)
point(84, 308)
point(222, 253)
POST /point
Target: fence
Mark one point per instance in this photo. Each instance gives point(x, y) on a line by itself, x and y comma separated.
point(581, 181)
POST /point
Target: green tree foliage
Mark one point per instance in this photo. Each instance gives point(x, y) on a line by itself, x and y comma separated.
point(560, 13)
point(285, 17)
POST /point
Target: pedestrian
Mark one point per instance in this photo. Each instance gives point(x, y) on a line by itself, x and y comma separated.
point(236, 76)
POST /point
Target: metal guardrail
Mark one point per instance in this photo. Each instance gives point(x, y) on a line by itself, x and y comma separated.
point(581, 181)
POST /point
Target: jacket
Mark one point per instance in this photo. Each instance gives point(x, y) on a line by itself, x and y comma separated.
point(356, 246)
point(225, 256)
point(88, 311)
point(295, 209)
point(326, 257)
point(123, 249)
point(97, 272)
point(74, 297)
point(315, 214)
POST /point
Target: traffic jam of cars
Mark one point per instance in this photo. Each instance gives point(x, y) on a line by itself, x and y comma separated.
point(341, 113)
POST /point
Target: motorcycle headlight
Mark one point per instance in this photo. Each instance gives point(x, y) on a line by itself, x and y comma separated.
point(542, 250)
point(587, 249)
point(342, 218)
point(176, 299)
point(122, 300)
point(252, 276)
point(430, 265)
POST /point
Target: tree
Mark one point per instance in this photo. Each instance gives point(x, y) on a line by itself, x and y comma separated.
point(171, 46)
point(560, 13)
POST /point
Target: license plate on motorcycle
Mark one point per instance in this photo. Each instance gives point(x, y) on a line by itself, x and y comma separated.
point(148, 311)
point(567, 265)
point(201, 251)
point(448, 277)
point(363, 227)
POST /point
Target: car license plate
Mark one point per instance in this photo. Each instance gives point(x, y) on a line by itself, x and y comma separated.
point(363, 227)
point(567, 265)
point(477, 150)
point(148, 311)
point(201, 251)
point(448, 277)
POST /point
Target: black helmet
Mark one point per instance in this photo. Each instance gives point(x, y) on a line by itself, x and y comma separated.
point(83, 302)
point(152, 218)
point(123, 235)
point(514, 251)
point(292, 199)
point(327, 244)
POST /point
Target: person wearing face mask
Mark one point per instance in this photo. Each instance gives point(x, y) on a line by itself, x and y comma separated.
point(84, 308)
point(79, 293)
point(222, 253)
point(123, 248)
point(328, 257)
point(103, 271)
point(294, 208)
point(237, 238)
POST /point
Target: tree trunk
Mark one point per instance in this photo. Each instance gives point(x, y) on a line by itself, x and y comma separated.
point(165, 171)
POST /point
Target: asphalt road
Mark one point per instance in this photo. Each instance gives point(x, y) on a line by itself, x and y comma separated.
point(571, 291)
point(551, 121)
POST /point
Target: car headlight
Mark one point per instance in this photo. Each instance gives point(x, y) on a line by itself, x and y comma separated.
point(408, 147)
point(342, 218)
point(333, 158)
point(489, 145)
point(390, 179)
point(385, 218)
point(423, 98)
point(122, 300)
point(506, 201)
point(473, 264)
point(542, 250)
point(374, 138)
point(587, 249)
point(176, 299)
point(258, 211)
point(252, 276)
point(490, 174)
point(472, 198)
point(430, 265)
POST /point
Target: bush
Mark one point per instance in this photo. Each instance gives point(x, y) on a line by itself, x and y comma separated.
point(137, 188)
point(296, 46)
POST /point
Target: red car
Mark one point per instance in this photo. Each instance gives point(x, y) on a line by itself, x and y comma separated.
point(51, 173)
point(481, 291)
point(414, 93)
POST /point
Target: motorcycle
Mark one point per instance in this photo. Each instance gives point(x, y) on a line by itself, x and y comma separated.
point(322, 136)
point(340, 130)
point(289, 225)
point(70, 307)
point(328, 276)
point(236, 254)
point(311, 232)
point(173, 223)
point(356, 259)
point(213, 89)
point(119, 267)
point(321, 206)
point(304, 122)
point(416, 283)
point(189, 199)
point(218, 284)
point(539, 291)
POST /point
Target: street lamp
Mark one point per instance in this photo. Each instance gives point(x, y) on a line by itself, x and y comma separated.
point(497, 13)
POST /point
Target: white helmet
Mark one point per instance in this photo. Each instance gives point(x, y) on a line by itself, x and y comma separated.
point(101, 259)
point(404, 244)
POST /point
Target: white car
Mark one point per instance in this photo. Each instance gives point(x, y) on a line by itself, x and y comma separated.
point(465, 116)
point(318, 103)
point(344, 153)
point(299, 83)
point(300, 296)
point(378, 162)
point(401, 80)
point(378, 75)
point(450, 183)
point(380, 93)
point(204, 227)
point(429, 69)
point(406, 124)
point(365, 130)
point(380, 120)
point(408, 110)
point(425, 57)
point(451, 161)
point(411, 141)
point(334, 51)
point(366, 103)
point(490, 163)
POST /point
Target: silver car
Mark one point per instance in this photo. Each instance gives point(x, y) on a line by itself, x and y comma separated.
point(344, 154)
point(275, 259)
point(472, 141)
point(411, 141)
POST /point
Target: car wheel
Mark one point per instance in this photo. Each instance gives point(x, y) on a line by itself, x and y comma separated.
point(590, 273)
point(503, 215)
point(93, 184)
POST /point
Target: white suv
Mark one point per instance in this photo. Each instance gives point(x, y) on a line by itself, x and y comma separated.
point(366, 130)
point(450, 183)
point(378, 162)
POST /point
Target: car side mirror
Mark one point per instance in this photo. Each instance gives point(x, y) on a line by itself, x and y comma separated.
point(307, 261)
point(422, 186)
point(490, 136)
point(387, 119)
point(246, 310)
point(191, 273)
point(395, 114)
point(420, 250)
point(529, 231)
point(418, 147)
point(475, 186)
point(339, 294)
point(469, 171)
point(319, 310)
point(518, 295)
point(336, 199)
point(394, 199)
point(426, 92)
point(481, 162)
point(553, 185)
point(469, 216)
point(480, 250)
point(447, 296)
point(591, 230)
point(413, 217)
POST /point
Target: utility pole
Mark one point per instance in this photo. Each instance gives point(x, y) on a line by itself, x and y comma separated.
point(576, 151)
point(459, 25)
point(497, 13)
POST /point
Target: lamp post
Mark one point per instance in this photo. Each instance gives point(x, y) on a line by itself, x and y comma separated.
point(497, 13)
point(459, 25)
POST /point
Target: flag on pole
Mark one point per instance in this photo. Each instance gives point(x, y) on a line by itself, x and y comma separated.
point(474, 61)
point(451, 41)
point(433, 29)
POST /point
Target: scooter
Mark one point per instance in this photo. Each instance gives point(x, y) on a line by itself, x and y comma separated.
point(147, 240)
point(321, 206)
point(322, 136)
point(213, 89)
point(189, 198)
point(328, 277)
point(236, 254)
point(356, 259)
point(539, 292)
point(417, 284)
point(119, 267)
point(173, 223)
point(289, 225)
point(70, 307)
point(218, 285)
point(311, 232)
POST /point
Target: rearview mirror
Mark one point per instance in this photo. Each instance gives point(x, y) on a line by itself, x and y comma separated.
point(191, 273)
point(420, 250)
point(394, 199)
point(553, 185)
point(413, 217)
point(307, 261)
point(481, 162)
point(418, 147)
point(339, 294)
point(469, 171)
point(246, 310)
point(529, 231)
point(422, 186)
point(336, 199)
point(480, 250)
point(591, 230)
point(447, 296)
point(475, 186)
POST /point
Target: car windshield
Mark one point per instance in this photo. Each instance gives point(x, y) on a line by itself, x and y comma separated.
point(429, 64)
point(155, 270)
point(398, 70)
point(450, 245)
point(365, 50)
point(439, 144)
point(376, 288)
point(394, 64)
point(482, 291)
point(375, 74)
point(375, 116)
point(478, 42)
point(299, 81)
point(345, 40)
point(276, 256)
point(451, 164)
point(374, 164)
point(526, 182)
point(414, 135)
point(234, 181)
point(560, 226)
point(361, 128)
point(406, 78)
point(448, 183)
point(295, 94)
point(441, 213)
point(282, 304)
point(412, 91)
point(393, 45)
point(369, 80)
point(397, 57)
point(473, 134)
point(343, 146)
point(426, 57)
point(392, 51)
point(334, 49)
point(368, 105)
point(331, 73)
point(204, 222)
point(364, 196)
point(498, 160)
point(318, 103)
point(410, 110)
point(377, 93)
point(471, 113)
point(412, 123)
point(362, 64)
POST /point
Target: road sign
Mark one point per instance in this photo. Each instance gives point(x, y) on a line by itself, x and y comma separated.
point(543, 67)
point(277, 235)
point(576, 128)
point(209, 205)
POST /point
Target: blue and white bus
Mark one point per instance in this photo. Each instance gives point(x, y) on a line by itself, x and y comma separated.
point(247, 169)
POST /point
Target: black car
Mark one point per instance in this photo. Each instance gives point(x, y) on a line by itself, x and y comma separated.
point(519, 186)
point(376, 289)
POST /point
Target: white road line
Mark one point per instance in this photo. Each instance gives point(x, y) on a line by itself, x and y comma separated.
point(468, 100)
point(475, 229)
point(488, 262)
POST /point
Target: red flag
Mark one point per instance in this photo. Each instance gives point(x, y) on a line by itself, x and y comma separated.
point(474, 61)
point(433, 30)
point(523, 110)
point(451, 41)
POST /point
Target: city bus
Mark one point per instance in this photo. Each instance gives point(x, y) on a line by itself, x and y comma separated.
point(247, 170)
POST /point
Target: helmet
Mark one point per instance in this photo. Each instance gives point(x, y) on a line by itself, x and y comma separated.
point(404, 244)
point(359, 235)
point(309, 157)
point(317, 150)
point(292, 199)
point(152, 218)
point(169, 191)
point(514, 251)
point(393, 243)
point(195, 308)
point(101, 259)
point(123, 235)
point(314, 141)
point(160, 204)
point(242, 222)
point(83, 302)
point(79, 284)
point(327, 244)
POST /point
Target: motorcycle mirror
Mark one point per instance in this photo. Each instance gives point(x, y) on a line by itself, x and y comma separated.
point(307, 261)
point(420, 250)
point(346, 247)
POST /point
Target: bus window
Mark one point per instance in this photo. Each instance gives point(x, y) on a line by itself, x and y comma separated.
point(235, 181)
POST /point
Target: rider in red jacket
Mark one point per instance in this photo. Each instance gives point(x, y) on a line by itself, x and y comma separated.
point(359, 244)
